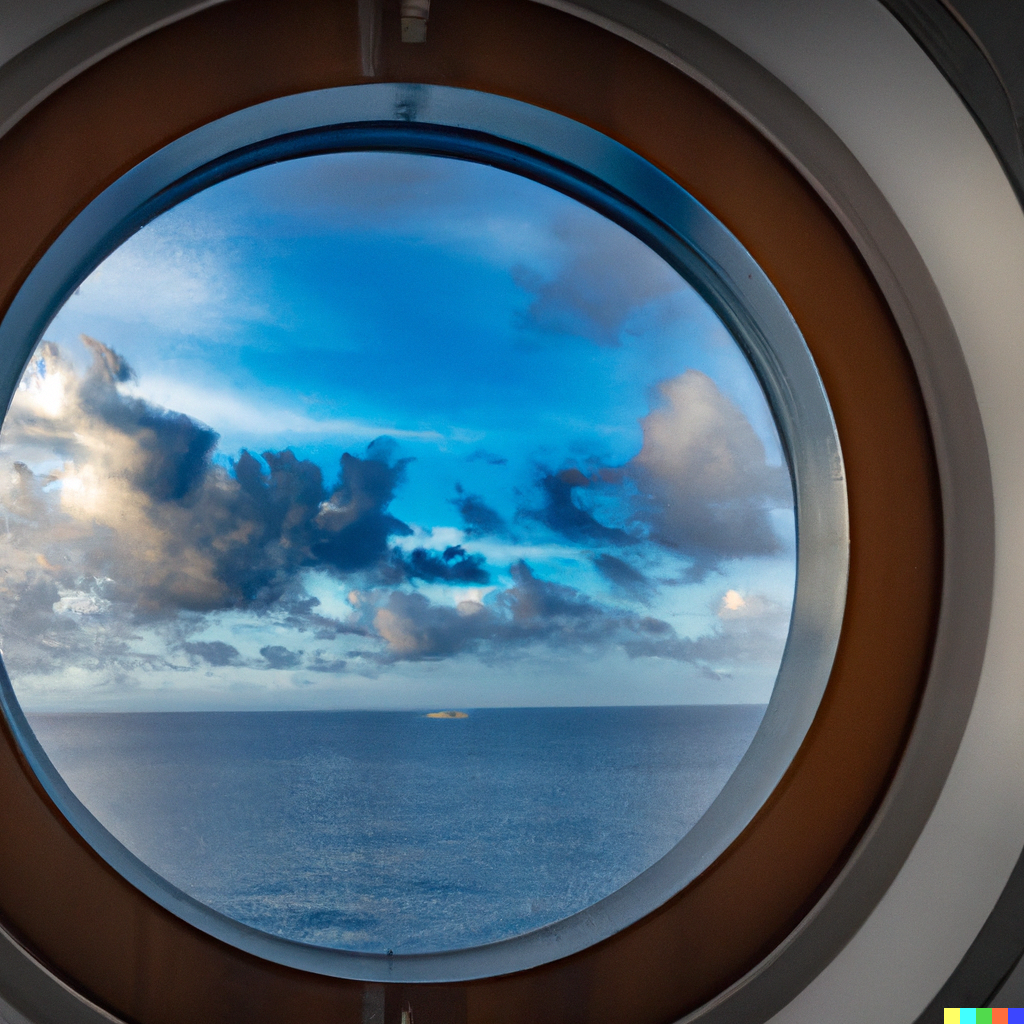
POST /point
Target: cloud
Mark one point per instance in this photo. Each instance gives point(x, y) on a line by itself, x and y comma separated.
point(754, 631)
point(318, 663)
point(563, 515)
point(489, 457)
point(606, 275)
point(440, 202)
point(624, 576)
point(280, 657)
point(181, 273)
point(261, 418)
point(535, 611)
point(213, 652)
point(360, 189)
point(42, 633)
point(529, 612)
point(479, 519)
point(126, 535)
point(31, 628)
point(415, 629)
point(539, 606)
point(353, 525)
point(700, 485)
point(172, 450)
point(453, 565)
point(704, 486)
point(137, 524)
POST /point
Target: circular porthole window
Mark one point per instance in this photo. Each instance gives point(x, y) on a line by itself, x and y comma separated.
point(425, 532)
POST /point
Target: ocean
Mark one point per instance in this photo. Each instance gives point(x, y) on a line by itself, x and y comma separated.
point(391, 830)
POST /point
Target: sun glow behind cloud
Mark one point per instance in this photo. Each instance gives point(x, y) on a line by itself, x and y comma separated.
point(537, 473)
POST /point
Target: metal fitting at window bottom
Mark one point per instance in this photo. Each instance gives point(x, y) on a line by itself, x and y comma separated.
point(414, 20)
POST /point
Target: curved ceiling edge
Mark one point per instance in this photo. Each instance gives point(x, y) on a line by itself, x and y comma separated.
point(968, 66)
point(42, 68)
point(962, 457)
point(34, 995)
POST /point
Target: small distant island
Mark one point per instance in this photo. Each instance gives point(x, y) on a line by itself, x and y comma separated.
point(447, 714)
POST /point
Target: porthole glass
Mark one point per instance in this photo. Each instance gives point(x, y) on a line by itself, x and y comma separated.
point(401, 545)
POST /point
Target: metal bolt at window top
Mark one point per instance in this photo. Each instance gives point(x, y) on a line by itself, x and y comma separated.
point(414, 20)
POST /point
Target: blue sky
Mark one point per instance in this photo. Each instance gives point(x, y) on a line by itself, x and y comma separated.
point(524, 462)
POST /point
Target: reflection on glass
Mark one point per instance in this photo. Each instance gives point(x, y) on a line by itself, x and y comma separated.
point(397, 554)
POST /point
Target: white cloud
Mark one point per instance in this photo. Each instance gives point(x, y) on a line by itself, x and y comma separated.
point(752, 606)
point(175, 274)
point(228, 412)
point(442, 202)
point(706, 486)
point(497, 552)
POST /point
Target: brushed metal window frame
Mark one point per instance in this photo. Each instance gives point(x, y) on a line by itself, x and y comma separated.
point(620, 184)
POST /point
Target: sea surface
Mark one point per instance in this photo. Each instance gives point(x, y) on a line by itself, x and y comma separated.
point(378, 830)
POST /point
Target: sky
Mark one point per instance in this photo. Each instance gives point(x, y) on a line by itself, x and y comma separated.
point(385, 430)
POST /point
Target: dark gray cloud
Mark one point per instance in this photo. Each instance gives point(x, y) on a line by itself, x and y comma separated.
point(563, 515)
point(478, 518)
point(623, 575)
point(534, 611)
point(174, 450)
point(539, 606)
point(146, 532)
point(453, 565)
point(704, 486)
point(415, 629)
point(531, 611)
point(277, 656)
point(605, 277)
point(489, 457)
point(213, 652)
point(700, 485)
point(319, 663)
point(353, 524)
point(142, 506)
